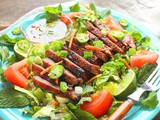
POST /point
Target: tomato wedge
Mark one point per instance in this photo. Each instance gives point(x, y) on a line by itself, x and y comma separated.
point(17, 73)
point(142, 58)
point(70, 15)
point(113, 24)
point(100, 104)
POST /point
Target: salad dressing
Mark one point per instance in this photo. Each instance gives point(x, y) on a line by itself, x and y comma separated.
point(40, 32)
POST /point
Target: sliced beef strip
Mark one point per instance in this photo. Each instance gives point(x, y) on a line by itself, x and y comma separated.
point(99, 25)
point(67, 76)
point(80, 61)
point(80, 51)
point(73, 68)
point(100, 55)
point(37, 69)
point(105, 39)
point(129, 42)
point(108, 50)
point(42, 83)
point(91, 36)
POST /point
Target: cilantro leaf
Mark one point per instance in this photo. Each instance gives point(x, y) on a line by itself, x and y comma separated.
point(80, 114)
point(92, 6)
point(87, 89)
point(60, 8)
point(53, 13)
point(151, 101)
point(83, 99)
point(104, 13)
point(75, 8)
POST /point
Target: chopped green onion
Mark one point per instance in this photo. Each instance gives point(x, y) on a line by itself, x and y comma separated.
point(34, 59)
point(62, 53)
point(87, 54)
point(123, 22)
point(117, 34)
point(37, 51)
point(23, 45)
point(50, 32)
point(16, 31)
point(82, 37)
point(56, 45)
point(98, 43)
point(56, 71)
point(104, 31)
point(63, 86)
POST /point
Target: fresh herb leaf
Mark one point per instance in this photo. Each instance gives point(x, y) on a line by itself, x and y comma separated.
point(53, 10)
point(80, 114)
point(83, 99)
point(104, 13)
point(92, 7)
point(60, 8)
point(131, 52)
point(75, 8)
point(2, 77)
point(87, 89)
point(151, 100)
point(144, 43)
point(12, 59)
point(4, 54)
point(12, 98)
point(145, 72)
point(53, 13)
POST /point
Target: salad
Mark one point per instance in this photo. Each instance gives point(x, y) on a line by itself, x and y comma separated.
point(83, 75)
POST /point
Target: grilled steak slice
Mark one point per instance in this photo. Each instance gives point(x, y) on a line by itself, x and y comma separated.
point(100, 55)
point(129, 42)
point(67, 76)
point(42, 83)
point(105, 39)
point(73, 68)
point(37, 69)
point(100, 26)
point(79, 50)
point(77, 59)
point(108, 50)
point(92, 37)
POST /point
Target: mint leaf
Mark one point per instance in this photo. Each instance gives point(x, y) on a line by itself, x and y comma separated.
point(151, 101)
point(83, 99)
point(145, 72)
point(75, 8)
point(80, 114)
point(12, 98)
point(92, 6)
